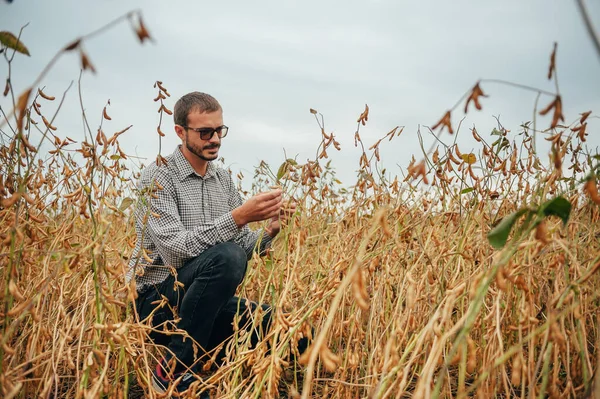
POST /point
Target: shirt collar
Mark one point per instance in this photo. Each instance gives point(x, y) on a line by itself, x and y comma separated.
point(184, 168)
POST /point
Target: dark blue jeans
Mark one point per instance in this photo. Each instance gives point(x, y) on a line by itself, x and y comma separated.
point(206, 305)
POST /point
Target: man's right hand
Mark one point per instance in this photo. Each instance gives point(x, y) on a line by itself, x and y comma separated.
point(262, 206)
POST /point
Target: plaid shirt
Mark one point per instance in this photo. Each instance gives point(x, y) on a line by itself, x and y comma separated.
point(194, 214)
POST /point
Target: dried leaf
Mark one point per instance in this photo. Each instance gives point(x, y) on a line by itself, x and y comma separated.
point(581, 131)
point(556, 104)
point(445, 121)
point(416, 170)
point(160, 160)
point(558, 115)
point(584, 116)
point(12, 42)
point(125, 203)
point(469, 158)
point(45, 96)
point(364, 117)
point(552, 66)
point(85, 62)
point(548, 108)
point(591, 189)
point(329, 360)
point(541, 233)
point(475, 94)
point(8, 202)
point(359, 290)
point(48, 124)
point(165, 109)
point(21, 108)
point(73, 45)
point(142, 32)
point(26, 142)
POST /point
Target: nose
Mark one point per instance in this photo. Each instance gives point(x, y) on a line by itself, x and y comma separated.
point(214, 138)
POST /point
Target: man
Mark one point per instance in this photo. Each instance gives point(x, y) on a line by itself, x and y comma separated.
point(193, 242)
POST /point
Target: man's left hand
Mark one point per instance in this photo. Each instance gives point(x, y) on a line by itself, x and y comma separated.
point(285, 214)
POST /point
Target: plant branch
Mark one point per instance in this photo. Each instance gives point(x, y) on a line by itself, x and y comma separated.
point(588, 24)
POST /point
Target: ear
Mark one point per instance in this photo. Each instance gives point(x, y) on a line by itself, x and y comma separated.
point(180, 132)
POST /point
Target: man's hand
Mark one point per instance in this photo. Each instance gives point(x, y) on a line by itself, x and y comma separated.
point(287, 211)
point(262, 206)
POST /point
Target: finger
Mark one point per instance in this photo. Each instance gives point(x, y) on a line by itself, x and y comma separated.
point(270, 194)
point(274, 202)
point(269, 216)
point(273, 211)
point(288, 211)
point(266, 210)
point(273, 216)
point(263, 204)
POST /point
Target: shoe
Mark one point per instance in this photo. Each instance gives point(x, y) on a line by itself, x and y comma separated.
point(161, 382)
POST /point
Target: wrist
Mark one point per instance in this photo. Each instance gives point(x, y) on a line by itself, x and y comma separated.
point(238, 217)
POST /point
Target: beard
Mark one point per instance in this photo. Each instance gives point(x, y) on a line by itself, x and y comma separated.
point(199, 151)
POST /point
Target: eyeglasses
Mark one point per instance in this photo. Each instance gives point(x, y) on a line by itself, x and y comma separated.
point(206, 133)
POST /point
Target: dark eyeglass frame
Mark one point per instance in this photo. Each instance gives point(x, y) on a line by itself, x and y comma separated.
point(206, 133)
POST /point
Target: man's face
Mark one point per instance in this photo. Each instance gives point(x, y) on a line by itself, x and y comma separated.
point(206, 150)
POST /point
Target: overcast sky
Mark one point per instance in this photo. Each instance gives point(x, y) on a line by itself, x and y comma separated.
point(268, 62)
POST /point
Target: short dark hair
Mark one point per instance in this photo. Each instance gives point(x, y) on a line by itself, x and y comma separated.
point(194, 101)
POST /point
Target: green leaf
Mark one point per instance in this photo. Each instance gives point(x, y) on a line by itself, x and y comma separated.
point(125, 203)
point(504, 143)
point(284, 167)
point(558, 206)
point(499, 234)
point(281, 171)
point(11, 41)
point(466, 190)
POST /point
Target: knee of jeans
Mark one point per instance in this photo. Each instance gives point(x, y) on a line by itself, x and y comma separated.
point(235, 259)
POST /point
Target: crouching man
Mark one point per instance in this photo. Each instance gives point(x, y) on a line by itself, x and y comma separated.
point(193, 242)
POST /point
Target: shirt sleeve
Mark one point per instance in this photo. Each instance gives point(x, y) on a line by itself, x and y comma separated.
point(175, 244)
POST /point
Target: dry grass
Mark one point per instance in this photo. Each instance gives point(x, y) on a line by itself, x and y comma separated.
point(406, 295)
